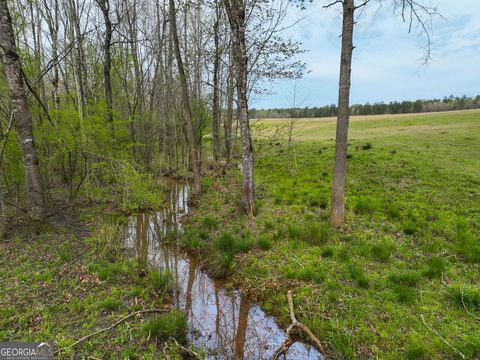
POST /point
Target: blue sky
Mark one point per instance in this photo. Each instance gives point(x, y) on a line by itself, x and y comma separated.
point(387, 59)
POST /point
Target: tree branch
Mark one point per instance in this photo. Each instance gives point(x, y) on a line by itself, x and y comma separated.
point(288, 342)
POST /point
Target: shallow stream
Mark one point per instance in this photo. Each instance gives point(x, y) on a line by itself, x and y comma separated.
point(224, 323)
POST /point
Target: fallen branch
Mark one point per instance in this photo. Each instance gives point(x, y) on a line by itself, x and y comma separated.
point(288, 342)
point(86, 337)
point(442, 338)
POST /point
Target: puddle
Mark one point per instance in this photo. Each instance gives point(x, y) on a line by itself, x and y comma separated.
point(225, 324)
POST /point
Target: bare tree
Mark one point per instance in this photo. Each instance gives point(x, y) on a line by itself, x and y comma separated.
point(341, 139)
point(216, 84)
point(236, 15)
point(187, 112)
point(34, 196)
point(416, 12)
point(104, 6)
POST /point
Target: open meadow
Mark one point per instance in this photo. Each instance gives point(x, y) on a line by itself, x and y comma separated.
point(401, 278)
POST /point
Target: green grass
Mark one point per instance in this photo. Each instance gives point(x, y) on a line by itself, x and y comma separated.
point(58, 287)
point(410, 248)
point(164, 327)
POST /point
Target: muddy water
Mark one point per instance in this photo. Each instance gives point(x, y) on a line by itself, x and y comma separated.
point(225, 324)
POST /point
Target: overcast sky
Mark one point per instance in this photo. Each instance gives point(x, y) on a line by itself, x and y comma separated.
point(386, 60)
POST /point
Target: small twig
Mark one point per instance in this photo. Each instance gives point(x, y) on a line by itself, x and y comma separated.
point(187, 351)
point(442, 338)
point(297, 261)
point(332, 3)
point(468, 311)
point(86, 337)
point(288, 342)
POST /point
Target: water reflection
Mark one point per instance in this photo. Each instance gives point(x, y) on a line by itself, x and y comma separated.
point(225, 324)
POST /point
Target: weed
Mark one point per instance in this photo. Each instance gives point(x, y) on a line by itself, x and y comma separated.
point(367, 146)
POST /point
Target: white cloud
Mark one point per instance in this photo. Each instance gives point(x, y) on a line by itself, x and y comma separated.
point(386, 59)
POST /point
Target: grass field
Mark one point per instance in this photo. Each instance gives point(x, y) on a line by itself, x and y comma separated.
point(401, 278)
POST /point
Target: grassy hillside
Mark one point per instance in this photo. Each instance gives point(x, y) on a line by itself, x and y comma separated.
point(401, 278)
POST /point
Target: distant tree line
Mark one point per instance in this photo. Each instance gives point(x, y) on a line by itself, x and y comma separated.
point(379, 108)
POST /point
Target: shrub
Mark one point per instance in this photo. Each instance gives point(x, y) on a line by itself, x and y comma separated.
point(171, 325)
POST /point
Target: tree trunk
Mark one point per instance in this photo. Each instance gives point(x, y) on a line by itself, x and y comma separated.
point(187, 113)
point(227, 124)
point(35, 202)
point(236, 16)
point(104, 6)
point(341, 144)
point(216, 84)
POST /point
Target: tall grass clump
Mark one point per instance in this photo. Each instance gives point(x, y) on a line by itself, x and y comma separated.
point(160, 281)
point(382, 250)
point(403, 284)
point(358, 275)
point(435, 267)
point(316, 233)
point(170, 325)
